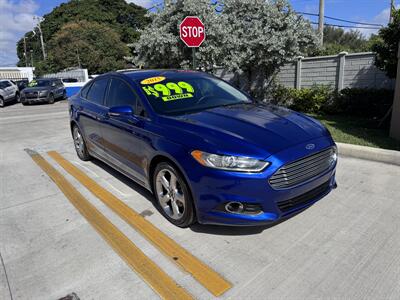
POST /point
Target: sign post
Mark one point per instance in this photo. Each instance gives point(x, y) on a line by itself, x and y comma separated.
point(192, 33)
point(395, 126)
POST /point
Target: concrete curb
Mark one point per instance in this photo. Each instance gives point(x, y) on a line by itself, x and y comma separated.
point(368, 153)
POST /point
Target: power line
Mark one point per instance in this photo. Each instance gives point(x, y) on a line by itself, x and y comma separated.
point(347, 26)
point(341, 20)
point(155, 6)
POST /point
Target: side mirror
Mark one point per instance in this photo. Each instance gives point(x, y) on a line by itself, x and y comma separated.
point(118, 111)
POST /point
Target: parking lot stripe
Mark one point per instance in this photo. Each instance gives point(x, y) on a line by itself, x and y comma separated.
point(161, 282)
point(210, 279)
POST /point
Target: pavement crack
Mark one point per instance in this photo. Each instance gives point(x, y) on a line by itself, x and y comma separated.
point(5, 273)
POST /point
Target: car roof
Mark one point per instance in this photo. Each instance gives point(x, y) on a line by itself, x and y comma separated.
point(142, 74)
point(48, 79)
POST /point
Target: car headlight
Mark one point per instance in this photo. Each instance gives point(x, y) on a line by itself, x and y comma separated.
point(229, 162)
point(334, 155)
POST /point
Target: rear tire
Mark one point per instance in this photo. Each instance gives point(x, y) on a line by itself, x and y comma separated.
point(64, 96)
point(80, 145)
point(172, 194)
point(17, 97)
point(51, 99)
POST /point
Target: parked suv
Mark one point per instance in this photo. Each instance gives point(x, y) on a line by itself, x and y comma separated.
point(8, 92)
point(43, 90)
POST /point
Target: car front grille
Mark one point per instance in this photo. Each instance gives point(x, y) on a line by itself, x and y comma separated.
point(31, 95)
point(303, 169)
point(308, 197)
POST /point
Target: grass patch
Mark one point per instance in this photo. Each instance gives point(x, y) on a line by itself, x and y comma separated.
point(358, 131)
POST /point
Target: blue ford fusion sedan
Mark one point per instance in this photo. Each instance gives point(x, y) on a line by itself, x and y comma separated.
point(205, 150)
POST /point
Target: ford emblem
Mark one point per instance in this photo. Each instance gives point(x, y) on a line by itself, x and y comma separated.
point(310, 146)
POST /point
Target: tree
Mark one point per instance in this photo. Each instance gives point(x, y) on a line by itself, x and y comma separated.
point(387, 46)
point(92, 45)
point(254, 37)
point(125, 19)
point(159, 45)
point(337, 40)
point(260, 37)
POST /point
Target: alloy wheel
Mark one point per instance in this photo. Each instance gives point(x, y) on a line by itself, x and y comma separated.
point(78, 142)
point(170, 194)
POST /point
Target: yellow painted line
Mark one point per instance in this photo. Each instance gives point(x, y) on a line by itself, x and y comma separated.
point(210, 279)
point(163, 284)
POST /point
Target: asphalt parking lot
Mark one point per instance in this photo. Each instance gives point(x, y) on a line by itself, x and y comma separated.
point(345, 246)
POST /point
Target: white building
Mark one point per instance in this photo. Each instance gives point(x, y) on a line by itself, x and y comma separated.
point(16, 73)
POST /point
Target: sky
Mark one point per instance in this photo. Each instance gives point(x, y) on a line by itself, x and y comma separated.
point(16, 17)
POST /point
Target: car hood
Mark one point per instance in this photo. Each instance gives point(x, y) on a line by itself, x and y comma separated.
point(255, 130)
point(36, 89)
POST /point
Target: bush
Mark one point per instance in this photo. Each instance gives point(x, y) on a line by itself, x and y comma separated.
point(311, 100)
point(308, 100)
point(369, 103)
point(366, 103)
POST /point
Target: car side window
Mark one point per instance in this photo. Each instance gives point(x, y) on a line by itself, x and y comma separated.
point(7, 84)
point(85, 89)
point(140, 111)
point(121, 94)
point(97, 91)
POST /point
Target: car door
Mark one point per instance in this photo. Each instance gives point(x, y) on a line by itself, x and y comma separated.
point(124, 137)
point(3, 90)
point(8, 90)
point(60, 88)
point(92, 113)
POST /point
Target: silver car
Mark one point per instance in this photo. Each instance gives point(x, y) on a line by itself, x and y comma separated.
point(8, 92)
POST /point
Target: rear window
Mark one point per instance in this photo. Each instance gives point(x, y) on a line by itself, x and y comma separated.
point(97, 91)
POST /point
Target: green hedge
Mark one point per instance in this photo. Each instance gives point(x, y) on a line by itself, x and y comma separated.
point(368, 103)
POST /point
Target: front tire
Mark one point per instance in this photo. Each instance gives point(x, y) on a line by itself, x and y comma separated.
point(1, 102)
point(172, 195)
point(80, 145)
point(51, 99)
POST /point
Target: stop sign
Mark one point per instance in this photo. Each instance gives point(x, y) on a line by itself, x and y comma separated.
point(192, 31)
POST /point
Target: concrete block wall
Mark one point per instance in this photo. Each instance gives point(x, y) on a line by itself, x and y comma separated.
point(319, 71)
point(356, 70)
point(287, 75)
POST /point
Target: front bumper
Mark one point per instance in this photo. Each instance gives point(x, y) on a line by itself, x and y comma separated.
point(212, 189)
point(34, 99)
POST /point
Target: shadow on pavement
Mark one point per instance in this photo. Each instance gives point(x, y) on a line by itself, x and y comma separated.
point(198, 228)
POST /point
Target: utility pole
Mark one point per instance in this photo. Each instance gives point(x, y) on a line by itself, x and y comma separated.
point(321, 21)
point(79, 59)
point(391, 11)
point(41, 35)
point(31, 58)
point(26, 57)
point(395, 123)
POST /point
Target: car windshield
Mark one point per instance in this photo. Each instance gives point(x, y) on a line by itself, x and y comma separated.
point(40, 83)
point(183, 94)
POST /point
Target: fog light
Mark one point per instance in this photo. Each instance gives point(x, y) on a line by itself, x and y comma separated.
point(234, 207)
